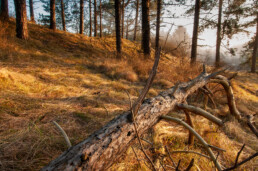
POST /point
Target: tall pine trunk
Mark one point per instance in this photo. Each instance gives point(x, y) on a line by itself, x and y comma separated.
point(117, 20)
point(90, 34)
point(63, 15)
point(32, 19)
point(100, 19)
point(195, 31)
point(21, 19)
point(146, 28)
point(254, 56)
point(136, 20)
point(123, 18)
point(95, 18)
point(158, 25)
point(81, 16)
point(217, 62)
point(127, 29)
point(4, 10)
point(52, 15)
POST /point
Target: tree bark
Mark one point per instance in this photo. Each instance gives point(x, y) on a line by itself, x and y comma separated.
point(158, 24)
point(217, 62)
point(52, 15)
point(146, 28)
point(117, 20)
point(4, 10)
point(100, 18)
point(32, 19)
point(195, 31)
point(123, 18)
point(81, 16)
point(254, 56)
point(95, 18)
point(63, 15)
point(21, 19)
point(136, 20)
point(103, 147)
point(90, 34)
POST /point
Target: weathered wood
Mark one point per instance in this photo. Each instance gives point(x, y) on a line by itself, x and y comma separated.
point(103, 147)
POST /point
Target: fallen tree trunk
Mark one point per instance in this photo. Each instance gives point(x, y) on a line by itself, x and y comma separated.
point(102, 148)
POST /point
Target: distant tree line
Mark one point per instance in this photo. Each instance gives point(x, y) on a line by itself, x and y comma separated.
point(121, 17)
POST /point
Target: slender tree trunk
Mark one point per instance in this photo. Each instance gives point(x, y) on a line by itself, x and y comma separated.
point(123, 18)
point(136, 20)
point(146, 28)
point(195, 31)
point(32, 19)
point(218, 34)
point(21, 19)
point(127, 29)
point(90, 34)
point(255, 47)
point(158, 25)
point(95, 18)
point(52, 15)
point(63, 15)
point(81, 15)
point(118, 37)
point(4, 10)
point(100, 18)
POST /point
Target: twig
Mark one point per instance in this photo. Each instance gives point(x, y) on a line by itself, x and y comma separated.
point(216, 148)
point(189, 122)
point(136, 156)
point(238, 154)
point(63, 133)
point(204, 143)
point(169, 155)
point(190, 165)
point(194, 152)
point(178, 164)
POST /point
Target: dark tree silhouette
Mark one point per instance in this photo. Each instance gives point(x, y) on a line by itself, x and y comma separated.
point(100, 18)
point(158, 25)
point(21, 19)
point(195, 31)
point(123, 18)
point(95, 18)
point(90, 34)
point(146, 28)
point(117, 20)
point(254, 56)
point(81, 16)
point(63, 15)
point(32, 19)
point(4, 10)
point(136, 20)
point(52, 15)
point(218, 34)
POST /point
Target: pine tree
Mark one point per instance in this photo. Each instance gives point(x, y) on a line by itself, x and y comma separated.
point(52, 15)
point(146, 28)
point(21, 19)
point(4, 10)
point(118, 37)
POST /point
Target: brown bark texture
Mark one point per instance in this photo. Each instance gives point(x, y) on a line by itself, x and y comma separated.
point(4, 10)
point(90, 34)
point(254, 56)
point(32, 19)
point(146, 28)
point(63, 15)
point(117, 21)
point(21, 19)
point(136, 20)
point(218, 43)
point(100, 18)
point(195, 31)
point(103, 147)
point(95, 19)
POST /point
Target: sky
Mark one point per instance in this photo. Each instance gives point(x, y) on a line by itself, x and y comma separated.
point(208, 37)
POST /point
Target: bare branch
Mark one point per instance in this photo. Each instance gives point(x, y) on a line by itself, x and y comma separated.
point(169, 155)
point(194, 152)
point(206, 145)
point(68, 142)
point(190, 165)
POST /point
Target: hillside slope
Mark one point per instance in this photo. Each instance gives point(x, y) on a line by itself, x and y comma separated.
point(76, 81)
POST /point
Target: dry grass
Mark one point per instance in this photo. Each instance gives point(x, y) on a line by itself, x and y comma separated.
point(76, 81)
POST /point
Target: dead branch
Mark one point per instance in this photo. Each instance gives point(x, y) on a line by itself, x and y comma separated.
point(190, 165)
point(201, 112)
point(169, 155)
point(202, 141)
point(178, 164)
point(189, 122)
point(68, 142)
point(136, 157)
point(251, 126)
point(101, 149)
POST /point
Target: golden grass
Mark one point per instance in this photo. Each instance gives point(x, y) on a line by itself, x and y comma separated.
point(81, 85)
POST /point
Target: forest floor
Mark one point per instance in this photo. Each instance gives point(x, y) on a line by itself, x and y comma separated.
point(76, 81)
